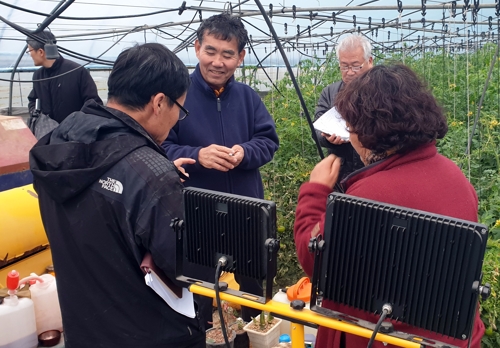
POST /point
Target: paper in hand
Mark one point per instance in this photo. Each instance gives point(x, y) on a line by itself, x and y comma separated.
point(332, 123)
point(183, 305)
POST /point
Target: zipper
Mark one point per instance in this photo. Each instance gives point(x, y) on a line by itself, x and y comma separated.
point(219, 109)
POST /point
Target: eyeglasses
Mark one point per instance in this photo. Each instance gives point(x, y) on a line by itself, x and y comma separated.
point(353, 68)
point(28, 51)
point(183, 113)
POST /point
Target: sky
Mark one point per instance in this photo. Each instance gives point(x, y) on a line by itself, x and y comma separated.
point(106, 38)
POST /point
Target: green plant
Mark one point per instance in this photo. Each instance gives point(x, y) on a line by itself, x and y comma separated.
point(263, 322)
point(240, 324)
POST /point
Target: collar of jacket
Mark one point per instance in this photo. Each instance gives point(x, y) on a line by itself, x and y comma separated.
point(197, 78)
point(92, 107)
point(423, 152)
point(57, 63)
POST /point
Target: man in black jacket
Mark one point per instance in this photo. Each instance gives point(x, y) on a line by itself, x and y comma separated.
point(107, 194)
point(354, 53)
point(66, 85)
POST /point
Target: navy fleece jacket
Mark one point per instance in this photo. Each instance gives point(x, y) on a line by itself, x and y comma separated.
point(238, 116)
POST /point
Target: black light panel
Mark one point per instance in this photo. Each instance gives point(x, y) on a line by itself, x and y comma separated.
point(423, 264)
point(220, 224)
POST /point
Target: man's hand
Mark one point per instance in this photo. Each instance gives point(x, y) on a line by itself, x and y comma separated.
point(218, 157)
point(334, 139)
point(180, 162)
point(238, 154)
point(327, 171)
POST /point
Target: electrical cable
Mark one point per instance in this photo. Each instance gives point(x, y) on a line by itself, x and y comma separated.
point(263, 69)
point(221, 263)
point(70, 71)
point(37, 38)
point(192, 20)
point(292, 77)
point(386, 309)
point(89, 18)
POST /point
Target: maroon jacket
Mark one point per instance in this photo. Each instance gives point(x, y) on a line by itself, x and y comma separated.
point(421, 179)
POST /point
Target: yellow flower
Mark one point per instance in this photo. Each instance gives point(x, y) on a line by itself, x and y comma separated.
point(452, 85)
point(494, 123)
point(469, 114)
point(454, 124)
point(293, 124)
point(497, 223)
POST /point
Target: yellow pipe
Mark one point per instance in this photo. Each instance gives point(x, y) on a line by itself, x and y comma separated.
point(297, 335)
point(304, 315)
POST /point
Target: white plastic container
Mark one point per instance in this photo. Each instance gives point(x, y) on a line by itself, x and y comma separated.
point(47, 310)
point(17, 321)
point(281, 296)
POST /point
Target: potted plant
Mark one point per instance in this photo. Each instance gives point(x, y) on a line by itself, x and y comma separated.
point(214, 337)
point(263, 331)
point(241, 340)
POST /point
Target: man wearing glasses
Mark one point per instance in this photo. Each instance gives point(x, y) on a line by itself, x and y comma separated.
point(355, 58)
point(229, 132)
point(107, 195)
point(65, 85)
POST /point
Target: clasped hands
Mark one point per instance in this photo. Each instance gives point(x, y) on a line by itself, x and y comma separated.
point(221, 157)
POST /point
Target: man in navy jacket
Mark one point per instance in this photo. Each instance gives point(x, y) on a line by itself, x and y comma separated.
point(229, 132)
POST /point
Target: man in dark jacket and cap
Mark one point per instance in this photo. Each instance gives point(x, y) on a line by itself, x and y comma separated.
point(107, 194)
point(61, 85)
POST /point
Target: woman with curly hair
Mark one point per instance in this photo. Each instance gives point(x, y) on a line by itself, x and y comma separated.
point(394, 121)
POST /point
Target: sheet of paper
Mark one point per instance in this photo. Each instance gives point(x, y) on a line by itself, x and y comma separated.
point(332, 123)
point(183, 305)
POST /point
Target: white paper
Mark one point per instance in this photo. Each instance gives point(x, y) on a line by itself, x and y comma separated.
point(184, 305)
point(332, 123)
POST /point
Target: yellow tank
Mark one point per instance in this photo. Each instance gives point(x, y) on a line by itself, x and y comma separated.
point(23, 242)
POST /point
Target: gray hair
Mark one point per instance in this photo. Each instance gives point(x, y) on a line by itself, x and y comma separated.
point(354, 41)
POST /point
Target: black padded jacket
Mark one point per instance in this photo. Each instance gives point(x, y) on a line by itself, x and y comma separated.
point(107, 194)
point(62, 95)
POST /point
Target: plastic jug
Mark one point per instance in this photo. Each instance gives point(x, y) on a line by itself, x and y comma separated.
point(17, 318)
point(47, 310)
point(300, 290)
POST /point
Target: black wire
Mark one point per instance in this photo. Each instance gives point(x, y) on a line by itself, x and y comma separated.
point(255, 27)
point(79, 67)
point(263, 69)
point(377, 327)
point(218, 271)
point(292, 77)
point(66, 51)
point(88, 18)
point(85, 57)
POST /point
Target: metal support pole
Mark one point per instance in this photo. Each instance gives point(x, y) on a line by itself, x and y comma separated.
point(297, 335)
